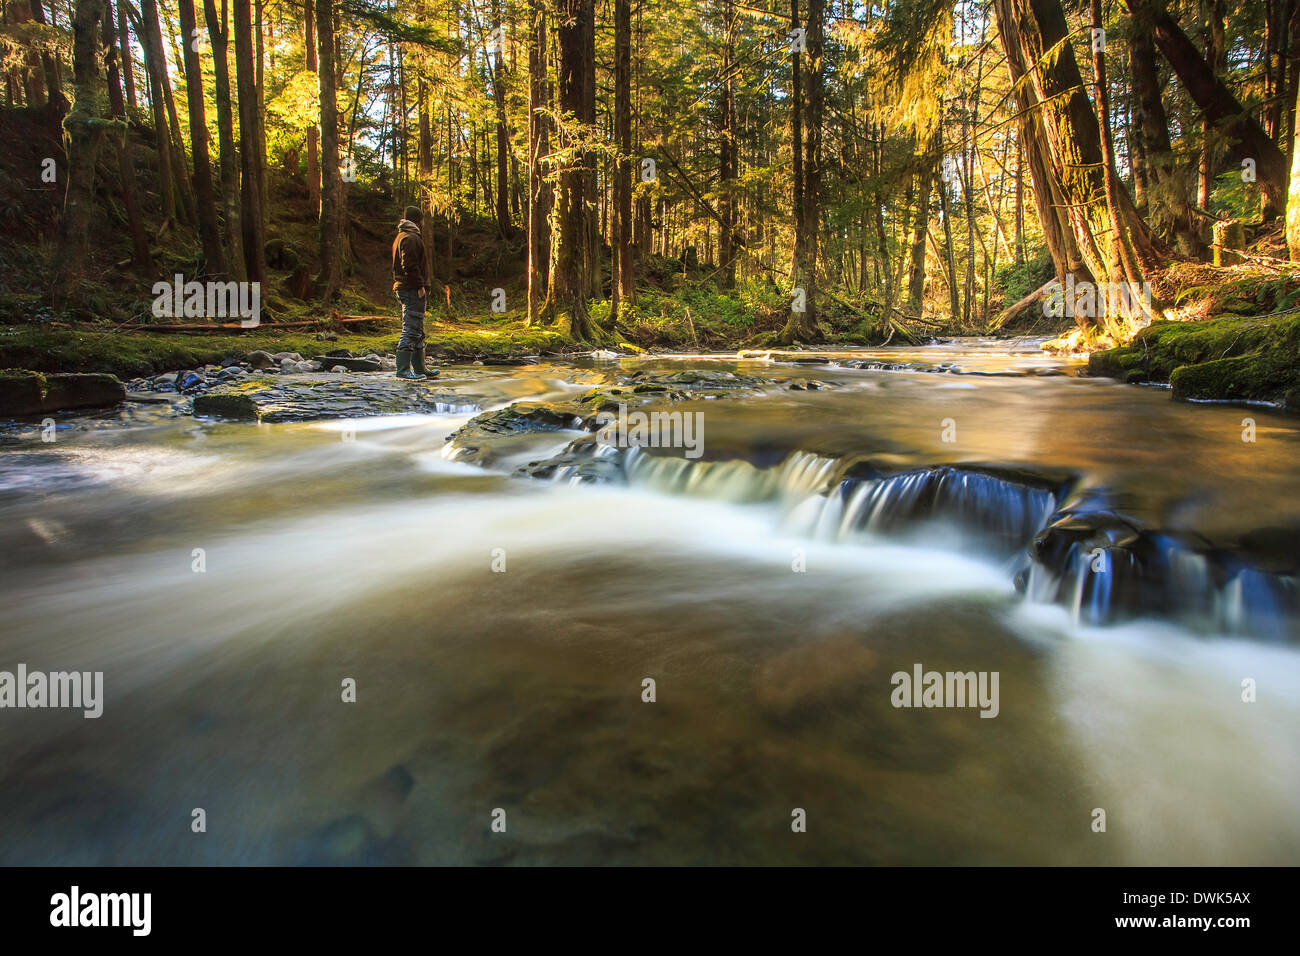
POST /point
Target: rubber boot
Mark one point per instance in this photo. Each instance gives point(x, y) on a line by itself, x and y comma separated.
point(404, 370)
point(420, 369)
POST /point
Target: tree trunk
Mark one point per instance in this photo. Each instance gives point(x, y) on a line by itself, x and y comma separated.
point(1171, 207)
point(591, 212)
point(727, 149)
point(251, 215)
point(916, 279)
point(151, 42)
point(50, 69)
point(570, 284)
point(1293, 203)
point(1122, 246)
point(228, 169)
point(209, 231)
point(1245, 137)
point(180, 169)
point(1214, 56)
point(539, 191)
point(140, 258)
point(796, 136)
point(124, 48)
point(313, 132)
point(503, 139)
point(807, 111)
point(83, 130)
point(426, 170)
point(331, 199)
point(624, 284)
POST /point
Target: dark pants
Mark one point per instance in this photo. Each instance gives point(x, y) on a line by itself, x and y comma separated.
point(412, 320)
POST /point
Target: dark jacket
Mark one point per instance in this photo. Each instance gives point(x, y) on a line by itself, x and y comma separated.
point(408, 258)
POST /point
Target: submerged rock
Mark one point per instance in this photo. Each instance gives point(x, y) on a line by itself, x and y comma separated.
point(472, 442)
point(295, 398)
point(799, 681)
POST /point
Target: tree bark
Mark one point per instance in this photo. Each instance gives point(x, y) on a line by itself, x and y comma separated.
point(539, 191)
point(727, 159)
point(124, 48)
point(140, 258)
point(83, 130)
point(228, 168)
point(151, 42)
point(503, 138)
point(251, 197)
point(1245, 136)
point(1168, 203)
point(331, 198)
point(916, 278)
point(624, 285)
point(209, 231)
point(313, 132)
point(570, 284)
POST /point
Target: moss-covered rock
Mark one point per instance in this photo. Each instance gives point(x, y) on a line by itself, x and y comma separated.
point(1255, 376)
point(233, 406)
point(23, 392)
point(1230, 358)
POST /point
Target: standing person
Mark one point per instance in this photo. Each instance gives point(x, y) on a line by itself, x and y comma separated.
point(411, 284)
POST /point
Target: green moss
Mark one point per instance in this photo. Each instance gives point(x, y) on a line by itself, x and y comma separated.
point(1256, 376)
point(1231, 357)
point(131, 354)
point(229, 406)
point(24, 392)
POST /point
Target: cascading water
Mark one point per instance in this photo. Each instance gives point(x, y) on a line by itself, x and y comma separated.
point(226, 578)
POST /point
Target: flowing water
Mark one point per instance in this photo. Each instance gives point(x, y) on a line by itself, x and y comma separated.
point(1122, 562)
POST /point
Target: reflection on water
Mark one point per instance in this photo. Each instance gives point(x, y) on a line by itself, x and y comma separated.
point(354, 550)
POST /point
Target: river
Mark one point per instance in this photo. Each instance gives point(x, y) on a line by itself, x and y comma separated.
point(233, 580)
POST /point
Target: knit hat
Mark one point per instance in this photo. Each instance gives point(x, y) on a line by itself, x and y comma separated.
point(413, 214)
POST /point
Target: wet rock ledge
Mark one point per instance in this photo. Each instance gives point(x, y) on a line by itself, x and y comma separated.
point(24, 393)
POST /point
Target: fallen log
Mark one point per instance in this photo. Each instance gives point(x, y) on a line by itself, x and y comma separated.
point(1017, 310)
point(228, 327)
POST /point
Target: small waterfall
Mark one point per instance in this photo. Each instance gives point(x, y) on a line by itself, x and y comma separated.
point(999, 511)
point(733, 480)
point(1111, 572)
point(1102, 567)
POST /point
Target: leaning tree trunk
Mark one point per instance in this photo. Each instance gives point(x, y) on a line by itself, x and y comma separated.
point(1064, 143)
point(83, 129)
point(1170, 205)
point(1246, 138)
